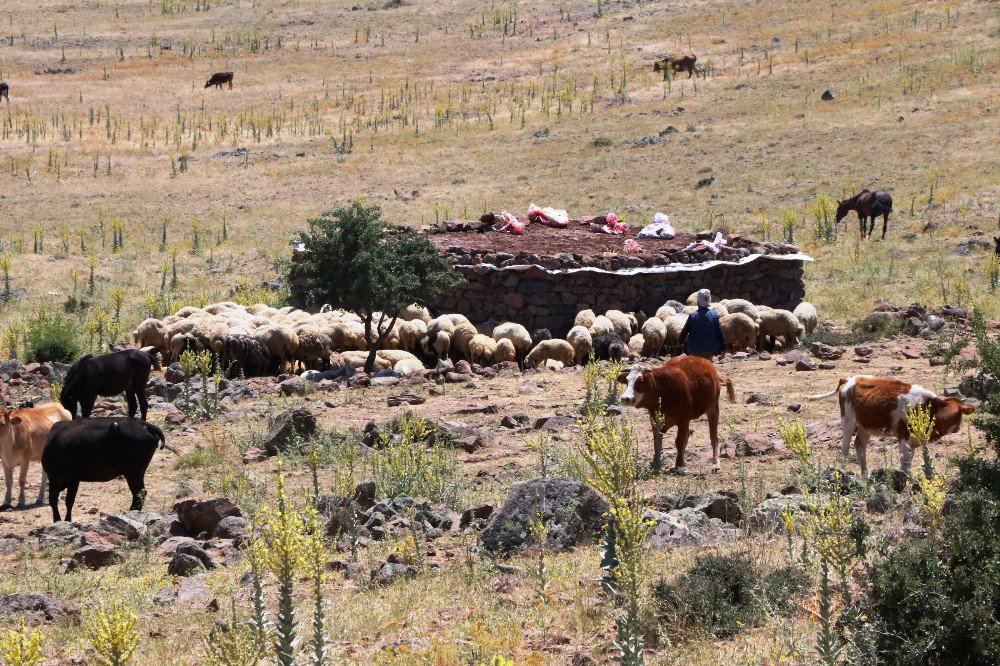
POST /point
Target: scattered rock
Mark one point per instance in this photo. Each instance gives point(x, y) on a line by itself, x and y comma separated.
point(881, 500)
point(40, 607)
point(803, 365)
point(747, 444)
point(62, 533)
point(572, 511)
point(795, 407)
point(405, 399)
point(253, 454)
point(827, 95)
point(198, 516)
point(232, 527)
point(481, 512)
point(552, 423)
point(895, 479)
point(295, 386)
point(96, 557)
point(295, 425)
point(687, 526)
point(758, 399)
point(389, 572)
point(183, 564)
point(767, 515)
point(825, 352)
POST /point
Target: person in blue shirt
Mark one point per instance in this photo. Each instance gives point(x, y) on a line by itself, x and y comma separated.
point(702, 333)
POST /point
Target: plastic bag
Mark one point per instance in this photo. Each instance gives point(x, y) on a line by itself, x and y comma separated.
point(552, 217)
point(660, 228)
point(509, 224)
point(614, 225)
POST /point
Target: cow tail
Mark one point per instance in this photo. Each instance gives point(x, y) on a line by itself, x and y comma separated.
point(820, 396)
point(730, 389)
point(154, 359)
point(156, 432)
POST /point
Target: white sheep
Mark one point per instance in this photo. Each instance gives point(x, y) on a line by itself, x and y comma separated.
point(779, 323)
point(357, 359)
point(805, 312)
point(410, 334)
point(150, 333)
point(279, 341)
point(414, 312)
point(739, 330)
point(665, 312)
point(584, 318)
point(675, 325)
point(408, 367)
point(482, 348)
point(654, 333)
point(635, 346)
point(621, 322)
point(735, 305)
point(581, 341)
point(460, 339)
point(601, 326)
point(517, 334)
point(556, 350)
point(505, 351)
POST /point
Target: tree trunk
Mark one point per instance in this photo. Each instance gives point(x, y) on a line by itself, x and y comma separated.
point(374, 347)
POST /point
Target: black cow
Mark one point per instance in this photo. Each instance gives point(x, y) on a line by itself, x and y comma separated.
point(996, 239)
point(122, 371)
point(5, 92)
point(219, 79)
point(99, 449)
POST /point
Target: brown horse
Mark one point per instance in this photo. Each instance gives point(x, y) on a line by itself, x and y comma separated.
point(681, 63)
point(868, 206)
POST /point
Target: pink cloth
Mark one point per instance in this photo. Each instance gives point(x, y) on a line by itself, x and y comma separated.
point(632, 246)
point(614, 225)
point(509, 224)
point(551, 217)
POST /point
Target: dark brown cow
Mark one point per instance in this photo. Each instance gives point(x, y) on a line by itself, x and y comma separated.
point(219, 79)
point(682, 63)
point(681, 390)
point(5, 91)
point(879, 406)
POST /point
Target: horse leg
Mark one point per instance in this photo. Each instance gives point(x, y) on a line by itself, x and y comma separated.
point(54, 490)
point(41, 490)
point(871, 225)
point(885, 224)
point(137, 485)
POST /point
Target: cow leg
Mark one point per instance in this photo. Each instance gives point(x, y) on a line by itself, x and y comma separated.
point(137, 485)
point(683, 432)
point(70, 499)
point(22, 479)
point(885, 224)
point(849, 425)
point(87, 405)
point(133, 405)
point(713, 435)
point(8, 476)
point(657, 444)
point(905, 455)
point(41, 490)
point(143, 403)
point(54, 490)
point(861, 450)
point(871, 225)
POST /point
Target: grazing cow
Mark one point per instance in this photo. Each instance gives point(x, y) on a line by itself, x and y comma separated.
point(110, 374)
point(875, 405)
point(674, 64)
point(22, 438)
point(99, 449)
point(219, 79)
point(5, 92)
point(868, 205)
point(681, 390)
point(996, 250)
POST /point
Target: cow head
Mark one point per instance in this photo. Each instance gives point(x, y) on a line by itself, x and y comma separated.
point(996, 239)
point(6, 419)
point(635, 384)
point(948, 413)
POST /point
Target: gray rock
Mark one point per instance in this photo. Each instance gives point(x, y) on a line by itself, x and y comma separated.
point(687, 526)
point(572, 511)
point(295, 386)
point(767, 515)
point(198, 516)
point(232, 527)
point(389, 572)
point(41, 607)
point(881, 500)
point(827, 95)
point(59, 534)
point(295, 425)
point(182, 564)
point(194, 550)
point(96, 557)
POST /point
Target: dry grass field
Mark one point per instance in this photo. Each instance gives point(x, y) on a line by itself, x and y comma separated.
point(437, 110)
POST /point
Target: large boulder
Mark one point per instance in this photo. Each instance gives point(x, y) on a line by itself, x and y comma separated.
point(37, 607)
point(687, 526)
point(295, 425)
point(572, 512)
point(767, 515)
point(198, 516)
point(97, 557)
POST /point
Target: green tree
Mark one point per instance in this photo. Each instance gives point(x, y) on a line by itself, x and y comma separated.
point(356, 261)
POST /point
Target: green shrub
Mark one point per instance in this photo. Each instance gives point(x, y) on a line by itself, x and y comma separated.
point(51, 337)
point(723, 594)
point(406, 464)
point(936, 601)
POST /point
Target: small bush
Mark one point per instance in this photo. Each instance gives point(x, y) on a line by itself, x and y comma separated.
point(723, 594)
point(51, 338)
point(407, 465)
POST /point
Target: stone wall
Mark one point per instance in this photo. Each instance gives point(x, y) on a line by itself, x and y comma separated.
point(537, 298)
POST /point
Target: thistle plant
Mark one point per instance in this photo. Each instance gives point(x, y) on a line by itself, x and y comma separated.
point(992, 272)
point(5, 264)
point(111, 631)
point(117, 297)
point(22, 646)
point(540, 534)
point(824, 224)
point(920, 423)
point(236, 645)
point(828, 644)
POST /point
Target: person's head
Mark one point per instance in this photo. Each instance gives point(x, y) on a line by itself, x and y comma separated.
point(704, 298)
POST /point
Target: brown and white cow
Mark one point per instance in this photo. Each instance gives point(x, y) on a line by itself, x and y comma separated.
point(878, 406)
point(22, 440)
point(681, 390)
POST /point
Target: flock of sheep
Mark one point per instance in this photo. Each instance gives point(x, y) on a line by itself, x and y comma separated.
point(260, 340)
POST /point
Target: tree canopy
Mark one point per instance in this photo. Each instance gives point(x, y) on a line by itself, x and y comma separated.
point(353, 260)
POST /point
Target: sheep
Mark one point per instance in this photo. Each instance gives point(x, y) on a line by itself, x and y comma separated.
point(442, 346)
point(410, 334)
point(357, 360)
point(582, 343)
point(778, 323)
point(482, 349)
point(609, 347)
point(313, 349)
point(664, 312)
point(654, 332)
point(180, 343)
point(414, 312)
point(517, 334)
point(735, 305)
point(150, 333)
point(408, 367)
point(394, 356)
point(556, 350)
point(716, 307)
point(243, 354)
point(540, 334)
point(435, 327)
point(552, 365)
point(460, 339)
point(279, 340)
point(505, 351)
point(601, 326)
point(805, 312)
point(635, 346)
point(676, 305)
point(739, 331)
point(675, 325)
point(187, 311)
point(223, 308)
point(457, 319)
point(692, 299)
point(621, 322)
point(584, 318)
